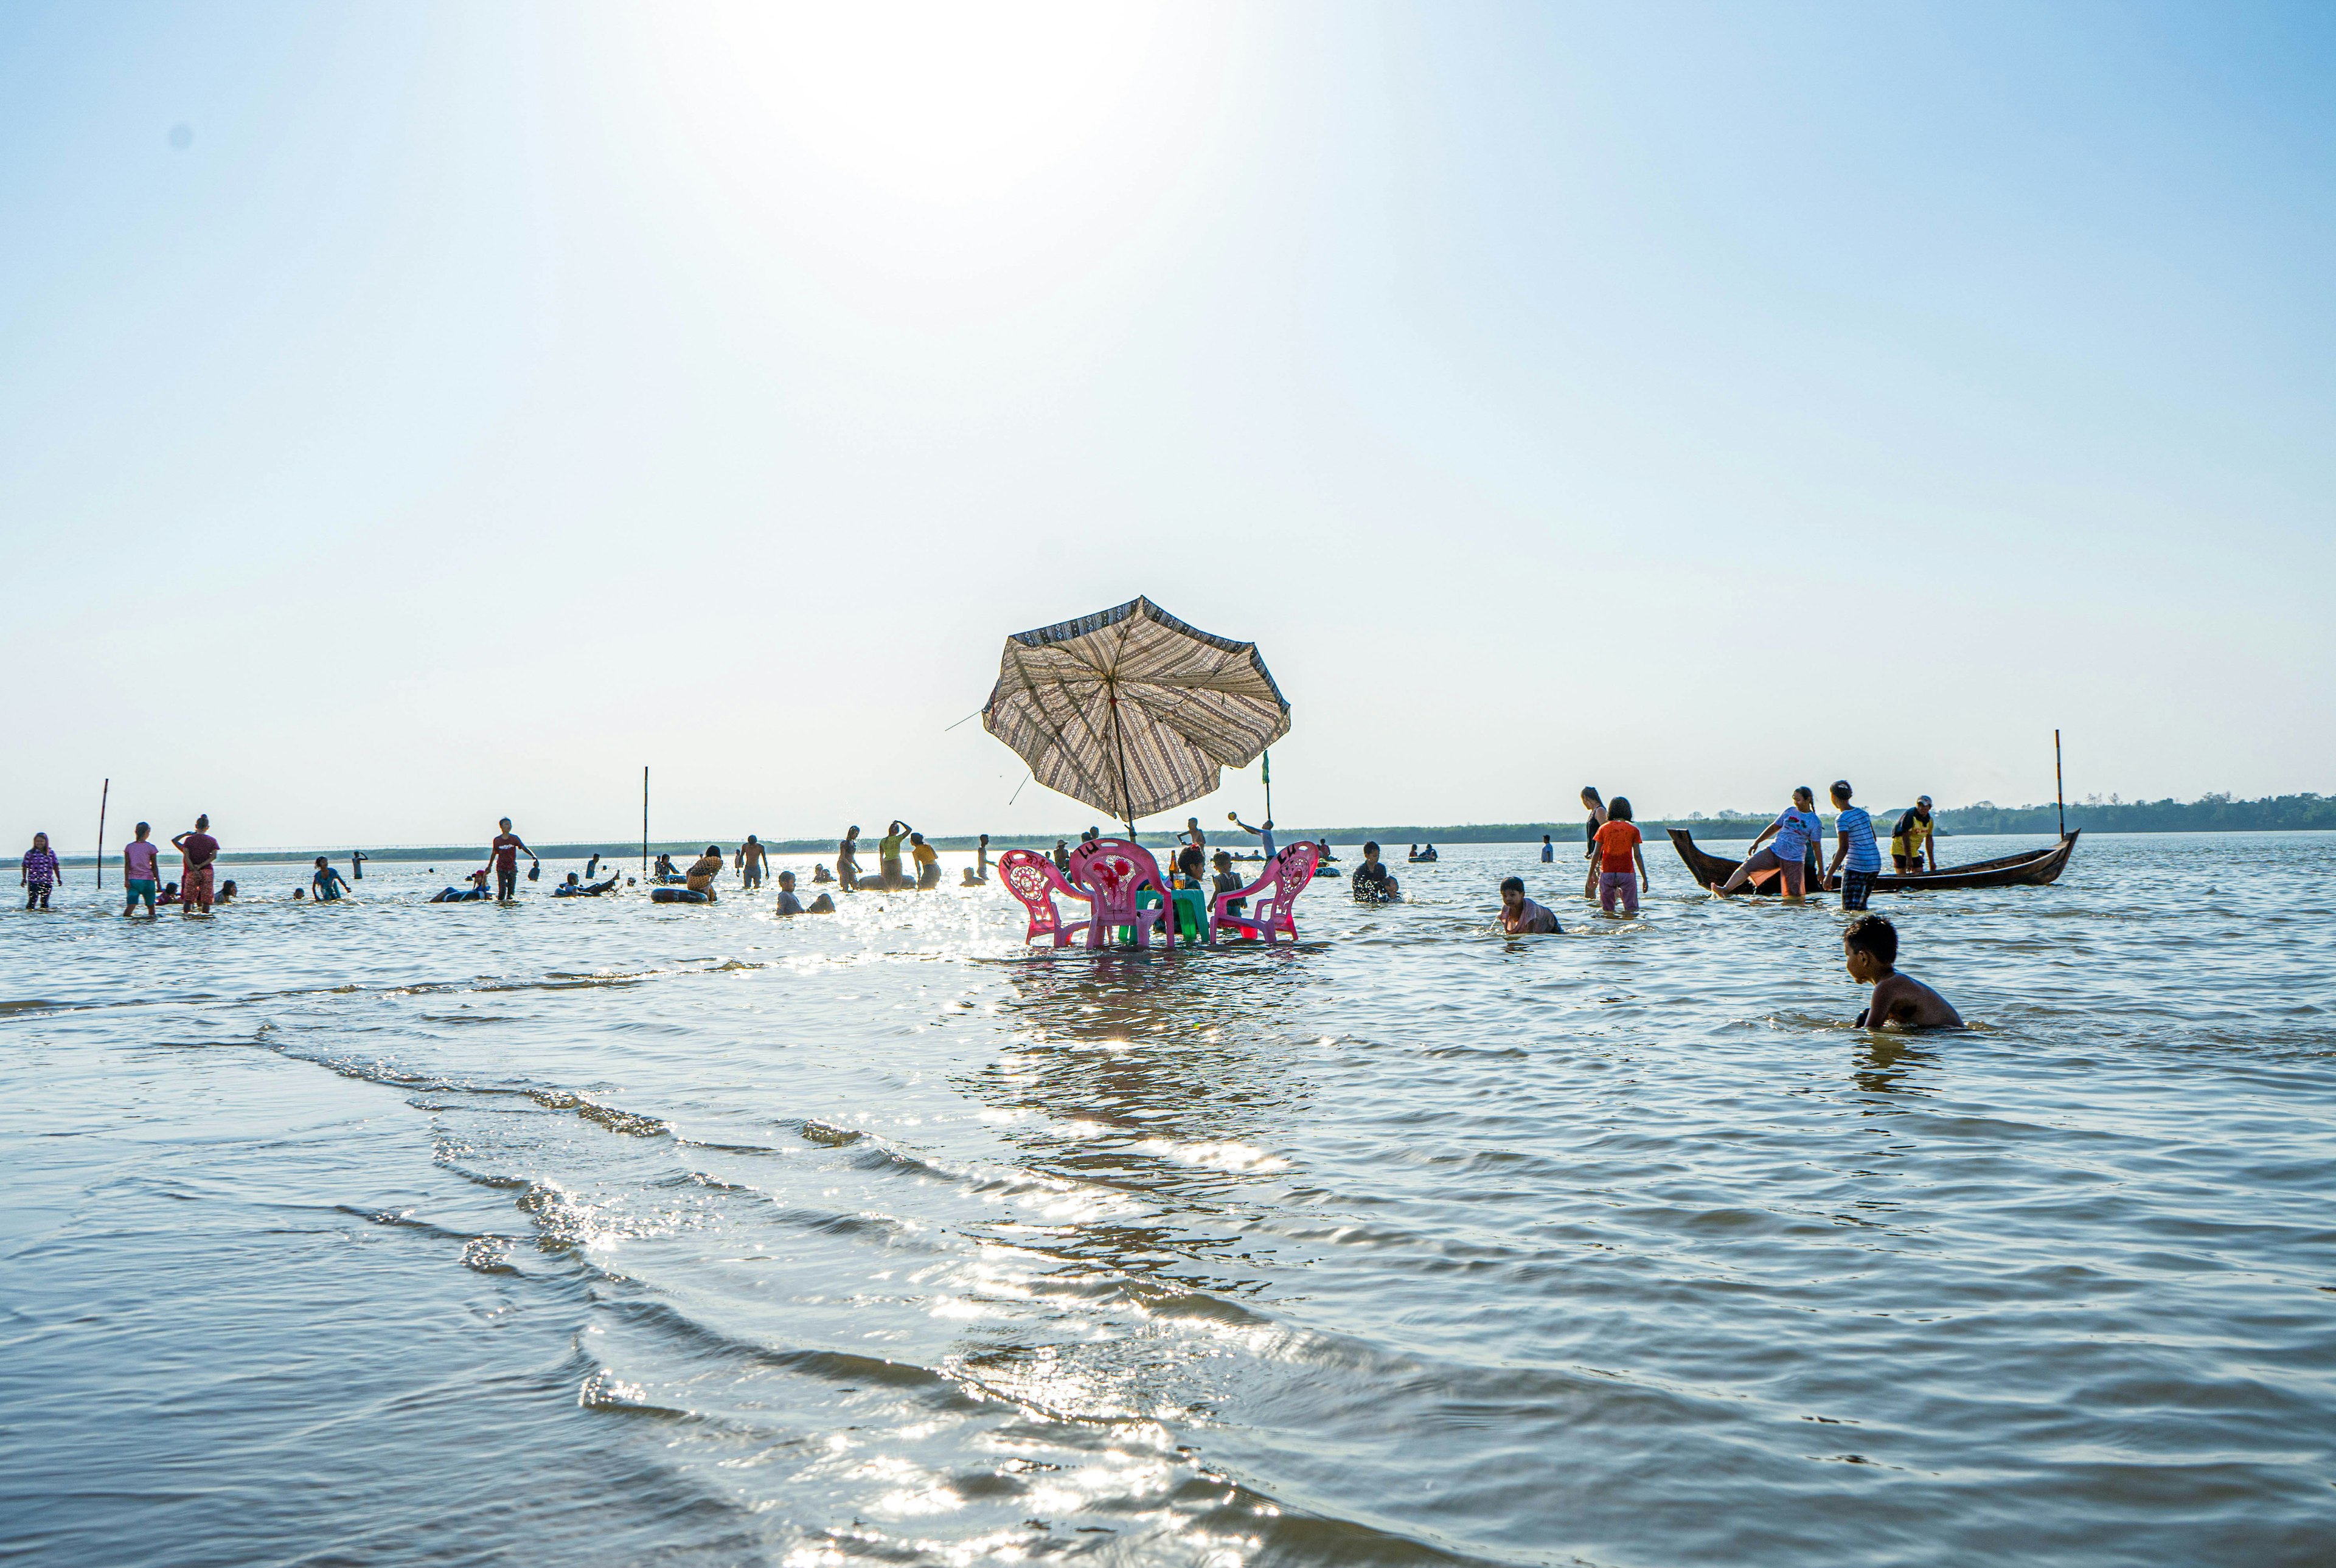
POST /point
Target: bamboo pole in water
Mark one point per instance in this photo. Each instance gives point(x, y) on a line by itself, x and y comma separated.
point(103, 793)
point(645, 821)
point(2060, 793)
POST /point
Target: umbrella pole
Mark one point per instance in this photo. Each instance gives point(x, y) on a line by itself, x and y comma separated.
point(1119, 745)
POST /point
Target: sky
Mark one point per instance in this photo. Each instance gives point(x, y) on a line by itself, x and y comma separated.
point(414, 415)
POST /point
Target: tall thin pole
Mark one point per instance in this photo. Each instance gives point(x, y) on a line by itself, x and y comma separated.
point(1120, 743)
point(2059, 793)
point(1268, 785)
point(645, 821)
point(105, 791)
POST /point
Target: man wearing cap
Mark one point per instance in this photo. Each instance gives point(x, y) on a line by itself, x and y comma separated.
point(1910, 840)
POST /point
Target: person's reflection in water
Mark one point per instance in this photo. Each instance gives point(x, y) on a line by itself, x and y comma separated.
point(1889, 1065)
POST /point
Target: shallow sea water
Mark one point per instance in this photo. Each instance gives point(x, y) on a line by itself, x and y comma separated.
point(606, 1233)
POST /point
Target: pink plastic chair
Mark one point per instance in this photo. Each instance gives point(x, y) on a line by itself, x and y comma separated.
point(1034, 880)
point(1274, 894)
point(1111, 872)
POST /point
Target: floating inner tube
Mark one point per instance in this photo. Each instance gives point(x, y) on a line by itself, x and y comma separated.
point(679, 896)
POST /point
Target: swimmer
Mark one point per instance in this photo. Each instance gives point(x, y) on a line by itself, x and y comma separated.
point(701, 876)
point(1520, 916)
point(929, 862)
point(847, 861)
point(972, 879)
point(823, 905)
point(327, 881)
point(820, 874)
point(788, 903)
point(299, 895)
point(1371, 883)
point(750, 862)
point(227, 891)
point(1870, 948)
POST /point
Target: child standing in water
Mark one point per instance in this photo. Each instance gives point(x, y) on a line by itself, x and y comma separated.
point(1870, 949)
point(1858, 859)
point(139, 879)
point(1617, 844)
point(38, 872)
point(327, 881)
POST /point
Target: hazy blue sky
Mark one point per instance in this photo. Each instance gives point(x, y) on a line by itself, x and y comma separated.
point(470, 403)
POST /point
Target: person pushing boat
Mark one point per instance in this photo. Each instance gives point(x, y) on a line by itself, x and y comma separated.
point(1912, 839)
point(1796, 831)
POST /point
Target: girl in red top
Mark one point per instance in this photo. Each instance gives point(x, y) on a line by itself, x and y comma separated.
point(1618, 847)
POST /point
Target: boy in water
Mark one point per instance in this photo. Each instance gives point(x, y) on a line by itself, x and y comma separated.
point(1520, 916)
point(1869, 948)
point(788, 903)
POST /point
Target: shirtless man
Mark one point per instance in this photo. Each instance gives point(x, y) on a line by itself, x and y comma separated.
point(750, 862)
point(1869, 948)
point(701, 876)
point(1520, 916)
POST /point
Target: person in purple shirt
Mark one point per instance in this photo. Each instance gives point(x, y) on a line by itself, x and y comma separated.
point(141, 875)
point(38, 872)
point(198, 858)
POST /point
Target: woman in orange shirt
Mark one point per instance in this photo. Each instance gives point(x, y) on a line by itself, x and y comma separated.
point(1618, 847)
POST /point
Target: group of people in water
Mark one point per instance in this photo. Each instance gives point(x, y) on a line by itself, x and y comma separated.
point(196, 892)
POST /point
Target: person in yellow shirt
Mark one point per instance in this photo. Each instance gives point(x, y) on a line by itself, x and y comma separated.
point(1910, 840)
point(928, 864)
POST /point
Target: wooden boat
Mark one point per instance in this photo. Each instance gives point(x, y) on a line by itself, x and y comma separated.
point(2027, 869)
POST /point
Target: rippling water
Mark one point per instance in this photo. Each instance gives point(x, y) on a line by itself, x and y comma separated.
point(605, 1232)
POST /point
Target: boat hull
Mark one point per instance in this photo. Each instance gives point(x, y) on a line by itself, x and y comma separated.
point(2027, 869)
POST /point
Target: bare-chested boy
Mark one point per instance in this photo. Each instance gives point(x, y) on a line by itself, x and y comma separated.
point(1870, 947)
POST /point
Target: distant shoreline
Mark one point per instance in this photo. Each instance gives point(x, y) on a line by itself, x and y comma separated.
point(1983, 820)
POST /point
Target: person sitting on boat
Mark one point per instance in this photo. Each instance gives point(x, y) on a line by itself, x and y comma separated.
point(1911, 839)
point(1869, 948)
point(700, 879)
point(1796, 830)
point(1371, 883)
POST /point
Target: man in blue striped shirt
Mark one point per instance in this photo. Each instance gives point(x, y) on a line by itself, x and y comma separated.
point(1855, 830)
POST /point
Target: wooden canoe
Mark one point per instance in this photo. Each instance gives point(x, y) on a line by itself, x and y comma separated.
point(2027, 869)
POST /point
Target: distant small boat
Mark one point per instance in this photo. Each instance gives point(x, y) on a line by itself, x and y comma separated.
point(2029, 868)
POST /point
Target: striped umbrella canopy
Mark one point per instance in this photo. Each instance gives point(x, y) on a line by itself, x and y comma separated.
point(1130, 711)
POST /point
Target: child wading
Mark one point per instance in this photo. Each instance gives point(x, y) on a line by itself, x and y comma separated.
point(141, 881)
point(1617, 844)
point(38, 872)
point(1520, 916)
point(1870, 949)
point(1856, 848)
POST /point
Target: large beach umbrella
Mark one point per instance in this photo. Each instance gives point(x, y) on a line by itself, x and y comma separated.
point(1130, 711)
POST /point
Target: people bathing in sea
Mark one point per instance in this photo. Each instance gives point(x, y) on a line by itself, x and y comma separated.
point(227, 891)
point(664, 871)
point(1548, 850)
point(750, 862)
point(788, 903)
point(575, 887)
point(1619, 846)
point(820, 874)
point(1371, 883)
point(197, 856)
point(1227, 880)
point(1854, 856)
point(1870, 949)
point(1520, 916)
point(927, 862)
point(1193, 836)
point(701, 875)
point(357, 859)
point(1914, 838)
point(327, 881)
point(141, 875)
point(475, 893)
point(970, 879)
point(888, 855)
point(506, 849)
point(1796, 830)
point(1263, 830)
point(981, 860)
point(1596, 806)
point(847, 861)
point(38, 872)
point(1062, 856)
